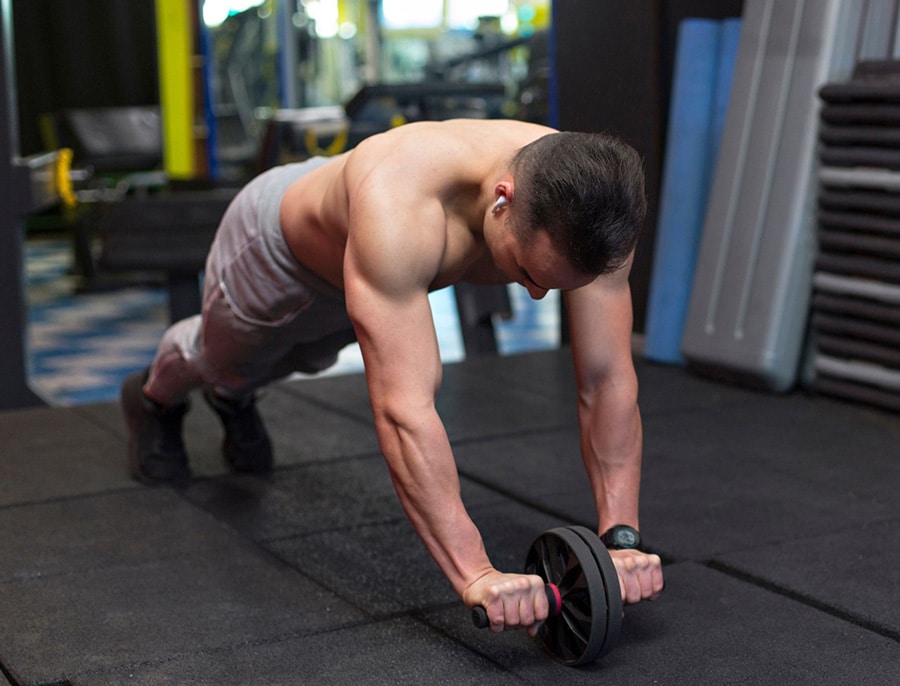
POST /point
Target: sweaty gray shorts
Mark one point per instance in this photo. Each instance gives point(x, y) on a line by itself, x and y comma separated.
point(264, 314)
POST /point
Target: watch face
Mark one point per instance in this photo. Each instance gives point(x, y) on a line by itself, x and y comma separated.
point(626, 538)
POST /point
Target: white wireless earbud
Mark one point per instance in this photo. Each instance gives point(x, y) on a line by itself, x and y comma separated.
point(501, 201)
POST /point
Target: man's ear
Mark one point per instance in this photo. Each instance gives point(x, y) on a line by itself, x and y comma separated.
point(503, 192)
point(504, 188)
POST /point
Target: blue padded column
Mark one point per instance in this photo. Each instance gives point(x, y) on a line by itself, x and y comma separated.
point(686, 179)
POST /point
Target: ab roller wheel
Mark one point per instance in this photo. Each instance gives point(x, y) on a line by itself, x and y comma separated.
point(583, 590)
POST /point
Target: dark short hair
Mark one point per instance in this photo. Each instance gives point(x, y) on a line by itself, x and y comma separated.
point(587, 191)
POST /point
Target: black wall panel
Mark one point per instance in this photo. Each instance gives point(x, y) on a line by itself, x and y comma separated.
point(80, 54)
point(614, 61)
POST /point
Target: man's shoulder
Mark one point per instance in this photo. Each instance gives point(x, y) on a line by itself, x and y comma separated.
point(436, 139)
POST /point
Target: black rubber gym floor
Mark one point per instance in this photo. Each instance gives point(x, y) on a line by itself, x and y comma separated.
point(778, 518)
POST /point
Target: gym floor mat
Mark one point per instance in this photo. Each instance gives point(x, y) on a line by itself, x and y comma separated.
point(716, 630)
point(812, 569)
point(777, 517)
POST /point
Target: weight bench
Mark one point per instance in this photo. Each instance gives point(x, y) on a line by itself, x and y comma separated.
point(169, 232)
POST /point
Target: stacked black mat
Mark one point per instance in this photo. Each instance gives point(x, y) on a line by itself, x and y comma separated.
point(856, 303)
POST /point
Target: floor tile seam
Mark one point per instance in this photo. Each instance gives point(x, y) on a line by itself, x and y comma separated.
point(518, 386)
point(804, 599)
point(464, 441)
point(263, 543)
point(286, 538)
point(325, 461)
point(370, 616)
point(519, 500)
point(671, 557)
point(824, 533)
point(367, 421)
point(265, 547)
point(224, 648)
point(42, 578)
point(156, 560)
point(872, 416)
point(72, 497)
point(500, 436)
point(286, 468)
point(292, 390)
point(382, 521)
point(8, 675)
point(82, 410)
point(716, 406)
point(257, 547)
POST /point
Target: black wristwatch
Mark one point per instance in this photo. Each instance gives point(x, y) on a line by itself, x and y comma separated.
point(622, 537)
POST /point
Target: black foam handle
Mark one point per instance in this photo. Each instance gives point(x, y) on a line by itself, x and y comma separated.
point(481, 621)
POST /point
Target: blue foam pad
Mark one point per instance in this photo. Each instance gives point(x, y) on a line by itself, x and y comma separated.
point(704, 64)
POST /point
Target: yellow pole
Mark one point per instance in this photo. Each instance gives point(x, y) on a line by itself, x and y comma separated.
point(176, 93)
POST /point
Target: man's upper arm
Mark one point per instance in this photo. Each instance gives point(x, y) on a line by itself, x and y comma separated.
point(393, 252)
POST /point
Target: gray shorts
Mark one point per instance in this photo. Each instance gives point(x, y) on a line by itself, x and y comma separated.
point(264, 314)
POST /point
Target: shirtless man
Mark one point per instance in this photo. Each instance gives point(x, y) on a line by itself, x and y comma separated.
point(312, 256)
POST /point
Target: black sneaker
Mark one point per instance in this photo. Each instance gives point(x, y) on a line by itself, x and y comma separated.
point(246, 447)
point(155, 446)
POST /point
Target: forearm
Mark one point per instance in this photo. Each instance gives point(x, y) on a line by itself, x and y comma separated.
point(611, 446)
point(426, 480)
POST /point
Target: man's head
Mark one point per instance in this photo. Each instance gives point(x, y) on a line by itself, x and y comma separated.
point(587, 191)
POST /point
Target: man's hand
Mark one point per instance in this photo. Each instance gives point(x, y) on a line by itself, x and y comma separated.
point(640, 575)
point(512, 601)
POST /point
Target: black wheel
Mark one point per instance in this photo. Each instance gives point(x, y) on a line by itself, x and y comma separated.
point(611, 586)
point(577, 635)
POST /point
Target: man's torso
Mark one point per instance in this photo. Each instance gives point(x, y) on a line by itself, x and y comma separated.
point(453, 163)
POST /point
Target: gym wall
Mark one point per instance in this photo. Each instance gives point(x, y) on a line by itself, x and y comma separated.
point(614, 62)
point(82, 54)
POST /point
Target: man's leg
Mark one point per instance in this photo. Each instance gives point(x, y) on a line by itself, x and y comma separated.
point(256, 309)
point(155, 447)
point(258, 306)
point(238, 358)
point(226, 356)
